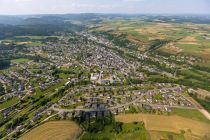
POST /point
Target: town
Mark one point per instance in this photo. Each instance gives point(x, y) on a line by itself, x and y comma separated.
point(95, 80)
point(91, 74)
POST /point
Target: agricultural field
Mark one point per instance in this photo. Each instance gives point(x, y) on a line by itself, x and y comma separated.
point(179, 126)
point(159, 135)
point(191, 114)
point(120, 78)
point(186, 39)
point(55, 130)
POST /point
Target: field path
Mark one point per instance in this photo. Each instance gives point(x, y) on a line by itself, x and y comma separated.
point(199, 107)
point(205, 113)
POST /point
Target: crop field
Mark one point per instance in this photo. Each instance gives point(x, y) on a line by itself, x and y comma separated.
point(174, 124)
point(56, 130)
point(189, 39)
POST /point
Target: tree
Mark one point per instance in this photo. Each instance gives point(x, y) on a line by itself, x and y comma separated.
point(2, 90)
point(4, 64)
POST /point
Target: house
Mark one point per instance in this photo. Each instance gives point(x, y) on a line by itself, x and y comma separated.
point(168, 109)
point(114, 111)
point(94, 76)
point(35, 118)
point(147, 107)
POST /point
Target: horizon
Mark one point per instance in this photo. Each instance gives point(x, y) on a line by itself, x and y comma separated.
point(128, 14)
point(37, 7)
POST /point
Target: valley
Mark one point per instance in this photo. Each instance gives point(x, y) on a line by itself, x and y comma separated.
point(111, 78)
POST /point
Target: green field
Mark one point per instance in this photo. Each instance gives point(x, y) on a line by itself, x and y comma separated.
point(131, 131)
point(169, 126)
point(9, 103)
point(191, 114)
point(161, 135)
point(20, 60)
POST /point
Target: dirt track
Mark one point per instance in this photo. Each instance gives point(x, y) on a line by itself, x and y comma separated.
point(205, 113)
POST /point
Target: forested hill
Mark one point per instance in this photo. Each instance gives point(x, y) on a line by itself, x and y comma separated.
point(49, 24)
point(43, 26)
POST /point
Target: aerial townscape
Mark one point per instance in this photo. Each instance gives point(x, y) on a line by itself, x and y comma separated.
point(104, 77)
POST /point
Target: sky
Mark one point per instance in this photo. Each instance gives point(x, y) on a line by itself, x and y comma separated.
point(17, 7)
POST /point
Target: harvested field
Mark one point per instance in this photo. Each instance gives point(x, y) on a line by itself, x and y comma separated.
point(55, 130)
point(188, 40)
point(171, 48)
point(173, 124)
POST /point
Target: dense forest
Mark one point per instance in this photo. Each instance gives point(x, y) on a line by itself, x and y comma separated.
point(43, 26)
point(7, 31)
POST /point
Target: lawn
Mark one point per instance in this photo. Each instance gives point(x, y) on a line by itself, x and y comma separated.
point(64, 76)
point(55, 130)
point(9, 103)
point(54, 87)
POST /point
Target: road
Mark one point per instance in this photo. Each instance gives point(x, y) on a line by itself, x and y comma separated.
point(117, 106)
point(194, 103)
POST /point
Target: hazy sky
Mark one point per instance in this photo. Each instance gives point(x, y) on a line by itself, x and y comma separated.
point(103, 6)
